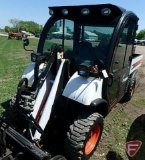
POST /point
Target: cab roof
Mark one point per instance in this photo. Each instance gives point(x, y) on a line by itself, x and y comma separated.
point(95, 13)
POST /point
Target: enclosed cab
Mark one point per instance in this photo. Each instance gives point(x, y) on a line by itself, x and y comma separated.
point(100, 32)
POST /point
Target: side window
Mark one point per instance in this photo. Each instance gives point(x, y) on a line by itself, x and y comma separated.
point(68, 39)
point(130, 41)
point(54, 35)
point(124, 46)
point(120, 51)
point(68, 35)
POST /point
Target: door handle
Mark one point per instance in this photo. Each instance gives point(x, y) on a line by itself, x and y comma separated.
point(116, 62)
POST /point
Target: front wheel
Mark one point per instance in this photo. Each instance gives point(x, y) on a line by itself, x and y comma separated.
point(83, 136)
point(59, 157)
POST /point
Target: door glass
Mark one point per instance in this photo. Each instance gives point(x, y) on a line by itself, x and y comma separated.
point(124, 47)
point(120, 51)
point(120, 63)
point(130, 41)
point(68, 35)
point(55, 35)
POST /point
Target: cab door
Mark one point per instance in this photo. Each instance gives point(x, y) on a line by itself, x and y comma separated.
point(120, 64)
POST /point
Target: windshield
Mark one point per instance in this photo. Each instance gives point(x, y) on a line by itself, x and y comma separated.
point(81, 42)
point(57, 33)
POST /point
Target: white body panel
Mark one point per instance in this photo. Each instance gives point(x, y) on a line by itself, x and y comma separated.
point(29, 72)
point(43, 94)
point(83, 90)
point(50, 101)
point(136, 62)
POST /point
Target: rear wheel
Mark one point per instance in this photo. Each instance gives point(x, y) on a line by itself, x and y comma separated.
point(84, 136)
point(130, 91)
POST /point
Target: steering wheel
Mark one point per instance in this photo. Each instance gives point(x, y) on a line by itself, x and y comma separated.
point(100, 64)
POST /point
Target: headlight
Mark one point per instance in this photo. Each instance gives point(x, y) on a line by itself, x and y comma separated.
point(51, 12)
point(84, 70)
point(106, 11)
point(65, 12)
point(35, 56)
point(85, 11)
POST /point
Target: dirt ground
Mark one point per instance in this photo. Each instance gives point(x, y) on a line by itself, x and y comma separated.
point(126, 122)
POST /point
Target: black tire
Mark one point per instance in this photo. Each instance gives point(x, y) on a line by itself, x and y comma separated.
point(130, 90)
point(58, 157)
point(80, 135)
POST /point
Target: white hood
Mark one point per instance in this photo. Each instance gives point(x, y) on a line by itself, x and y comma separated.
point(82, 89)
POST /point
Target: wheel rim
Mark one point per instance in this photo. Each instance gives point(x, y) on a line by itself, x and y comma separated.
point(91, 143)
point(132, 90)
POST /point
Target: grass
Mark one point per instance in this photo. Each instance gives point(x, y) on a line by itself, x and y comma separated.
point(13, 60)
point(138, 103)
point(116, 128)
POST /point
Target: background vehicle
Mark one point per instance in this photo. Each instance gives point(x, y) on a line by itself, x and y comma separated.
point(37, 35)
point(72, 85)
point(135, 41)
point(141, 41)
point(90, 40)
point(68, 37)
point(15, 35)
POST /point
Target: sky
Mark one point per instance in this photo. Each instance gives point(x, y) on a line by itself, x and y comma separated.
point(37, 10)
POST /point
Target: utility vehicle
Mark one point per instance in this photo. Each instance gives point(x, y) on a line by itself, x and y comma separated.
point(70, 87)
point(141, 41)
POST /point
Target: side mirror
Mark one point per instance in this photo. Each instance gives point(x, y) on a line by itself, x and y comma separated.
point(26, 42)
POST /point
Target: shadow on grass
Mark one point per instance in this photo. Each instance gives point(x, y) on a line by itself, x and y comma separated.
point(111, 155)
point(5, 107)
point(137, 133)
point(10, 113)
point(6, 104)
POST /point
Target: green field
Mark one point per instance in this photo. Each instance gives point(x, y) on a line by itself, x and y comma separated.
point(13, 60)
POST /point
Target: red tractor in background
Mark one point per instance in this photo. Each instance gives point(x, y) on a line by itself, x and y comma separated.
point(17, 36)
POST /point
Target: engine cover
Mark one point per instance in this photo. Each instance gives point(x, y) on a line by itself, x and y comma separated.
point(82, 89)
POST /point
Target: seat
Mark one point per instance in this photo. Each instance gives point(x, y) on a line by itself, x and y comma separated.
point(84, 52)
point(104, 42)
point(55, 49)
point(100, 52)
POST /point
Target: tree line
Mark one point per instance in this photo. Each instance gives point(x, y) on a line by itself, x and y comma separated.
point(33, 27)
point(141, 34)
point(19, 25)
